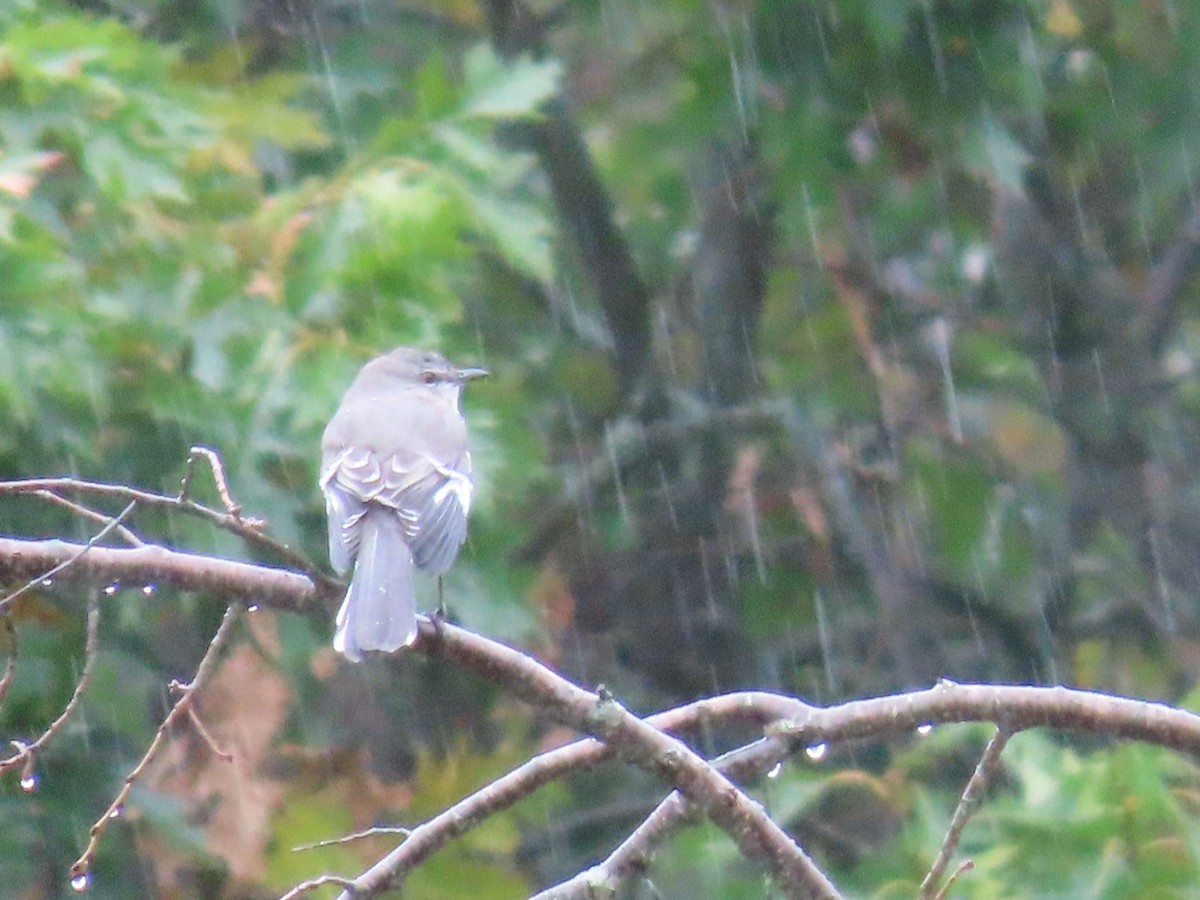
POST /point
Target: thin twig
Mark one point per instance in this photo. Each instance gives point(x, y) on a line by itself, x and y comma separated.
point(80, 510)
point(351, 838)
point(249, 530)
point(187, 692)
point(213, 746)
point(26, 753)
point(74, 558)
point(10, 664)
point(218, 474)
point(966, 806)
point(313, 883)
point(965, 866)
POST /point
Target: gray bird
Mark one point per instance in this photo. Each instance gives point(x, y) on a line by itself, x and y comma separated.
point(396, 476)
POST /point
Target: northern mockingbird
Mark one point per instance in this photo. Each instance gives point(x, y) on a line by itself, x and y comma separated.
point(396, 476)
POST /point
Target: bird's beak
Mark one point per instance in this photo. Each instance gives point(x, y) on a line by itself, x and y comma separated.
point(471, 374)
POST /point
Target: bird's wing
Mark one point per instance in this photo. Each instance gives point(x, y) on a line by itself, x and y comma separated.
point(437, 507)
point(345, 506)
point(430, 498)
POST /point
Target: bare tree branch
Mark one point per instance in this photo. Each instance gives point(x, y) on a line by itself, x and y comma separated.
point(728, 274)
point(583, 203)
point(744, 820)
point(962, 813)
point(903, 713)
point(746, 823)
point(1018, 707)
point(49, 573)
point(634, 853)
point(1012, 708)
point(81, 868)
point(224, 578)
point(26, 755)
point(249, 530)
point(747, 707)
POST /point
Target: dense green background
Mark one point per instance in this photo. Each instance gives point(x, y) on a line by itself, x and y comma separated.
point(887, 372)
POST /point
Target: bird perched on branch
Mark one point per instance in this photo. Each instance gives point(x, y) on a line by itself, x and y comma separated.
point(396, 476)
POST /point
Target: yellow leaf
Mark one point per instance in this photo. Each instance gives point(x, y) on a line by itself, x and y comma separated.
point(1062, 20)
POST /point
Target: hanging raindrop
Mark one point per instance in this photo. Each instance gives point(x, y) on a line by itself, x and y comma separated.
point(29, 782)
point(817, 751)
point(775, 770)
point(81, 882)
point(925, 728)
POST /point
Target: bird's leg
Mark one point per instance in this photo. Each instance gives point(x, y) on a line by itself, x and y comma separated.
point(440, 612)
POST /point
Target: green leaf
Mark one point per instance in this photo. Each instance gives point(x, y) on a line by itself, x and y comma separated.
point(520, 231)
point(264, 109)
point(500, 90)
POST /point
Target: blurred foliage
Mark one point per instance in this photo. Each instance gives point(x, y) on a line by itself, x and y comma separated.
point(1054, 823)
point(981, 461)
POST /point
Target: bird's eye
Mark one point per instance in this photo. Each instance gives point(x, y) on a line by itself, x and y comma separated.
point(429, 376)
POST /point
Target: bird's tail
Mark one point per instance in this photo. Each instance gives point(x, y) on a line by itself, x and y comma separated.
point(380, 609)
